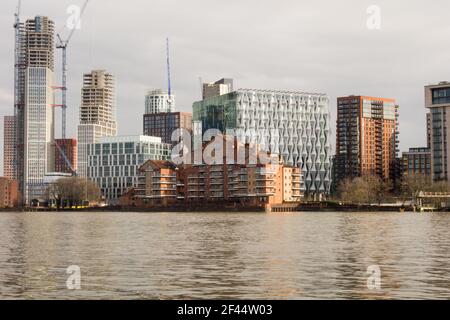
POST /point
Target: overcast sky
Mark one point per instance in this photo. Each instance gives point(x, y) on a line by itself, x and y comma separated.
point(315, 46)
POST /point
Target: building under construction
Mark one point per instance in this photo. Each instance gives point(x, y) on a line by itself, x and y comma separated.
point(34, 100)
point(97, 113)
point(31, 151)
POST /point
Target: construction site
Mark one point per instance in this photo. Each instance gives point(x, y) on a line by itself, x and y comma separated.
point(36, 155)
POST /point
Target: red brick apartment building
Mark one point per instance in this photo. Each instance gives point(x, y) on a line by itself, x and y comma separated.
point(366, 137)
point(9, 146)
point(9, 193)
point(162, 183)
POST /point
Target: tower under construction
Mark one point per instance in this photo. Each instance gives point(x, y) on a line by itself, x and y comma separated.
point(97, 113)
point(33, 105)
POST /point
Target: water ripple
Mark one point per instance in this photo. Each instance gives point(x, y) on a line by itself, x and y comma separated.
point(224, 255)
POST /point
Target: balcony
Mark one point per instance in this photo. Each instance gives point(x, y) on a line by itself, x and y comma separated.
point(174, 176)
point(216, 169)
point(265, 179)
point(164, 189)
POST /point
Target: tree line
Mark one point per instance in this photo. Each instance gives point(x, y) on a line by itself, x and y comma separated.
point(372, 189)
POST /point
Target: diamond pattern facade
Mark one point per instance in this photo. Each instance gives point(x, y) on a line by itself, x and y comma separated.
point(293, 124)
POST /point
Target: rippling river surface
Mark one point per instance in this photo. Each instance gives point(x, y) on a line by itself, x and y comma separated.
point(224, 255)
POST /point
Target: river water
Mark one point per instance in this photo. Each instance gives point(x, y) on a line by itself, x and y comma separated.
point(225, 255)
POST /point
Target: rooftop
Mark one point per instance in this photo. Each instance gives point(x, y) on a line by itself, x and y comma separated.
point(280, 92)
point(131, 138)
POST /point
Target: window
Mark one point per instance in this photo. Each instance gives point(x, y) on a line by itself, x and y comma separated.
point(106, 148)
point(129, 147)
point(441, 95)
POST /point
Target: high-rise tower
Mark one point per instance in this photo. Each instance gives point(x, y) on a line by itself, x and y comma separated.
point(9, 148)
point(97, 113)
point(366, 137)
point(437, 101)
point(33, 106)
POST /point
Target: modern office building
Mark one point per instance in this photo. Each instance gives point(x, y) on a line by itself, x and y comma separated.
point(437, 100)
point(294, 125)
point(366, 137)
point(113, 162)
point(9, 146)
point(164, 124)
point(9, 193)
point(218, 88)
point(97, 113)
point(159, 101)
point(417, 161)
point(66, 155)
point(35, 107)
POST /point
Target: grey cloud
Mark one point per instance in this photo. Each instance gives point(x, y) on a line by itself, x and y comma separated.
point(318, 46)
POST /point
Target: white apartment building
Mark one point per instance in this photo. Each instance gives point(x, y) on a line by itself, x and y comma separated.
point(97, 113)
point(113, 162)
point(159, 101)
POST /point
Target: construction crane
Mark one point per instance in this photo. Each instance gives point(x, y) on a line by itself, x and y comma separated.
point(62, 44)
point(69, 164)
point(169, 101)
point(17, 15)
point(19, 74)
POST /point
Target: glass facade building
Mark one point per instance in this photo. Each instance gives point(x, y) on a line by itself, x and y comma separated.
point(113, 163)
point(164, 124)
point(294, 125)
point(417, 161)
point(437, 100)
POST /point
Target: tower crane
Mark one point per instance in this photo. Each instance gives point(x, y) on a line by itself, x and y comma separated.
point(68, 163)
point(169, 101)
point(62, 44)
point(18, 98)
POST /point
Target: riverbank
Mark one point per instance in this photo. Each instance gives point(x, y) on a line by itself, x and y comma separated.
point(224, 207)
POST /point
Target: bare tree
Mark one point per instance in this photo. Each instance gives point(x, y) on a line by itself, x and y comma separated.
point(412, 184)
point(354, 190)
point(363, 190)
point(73, 191)
point(440, 186)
